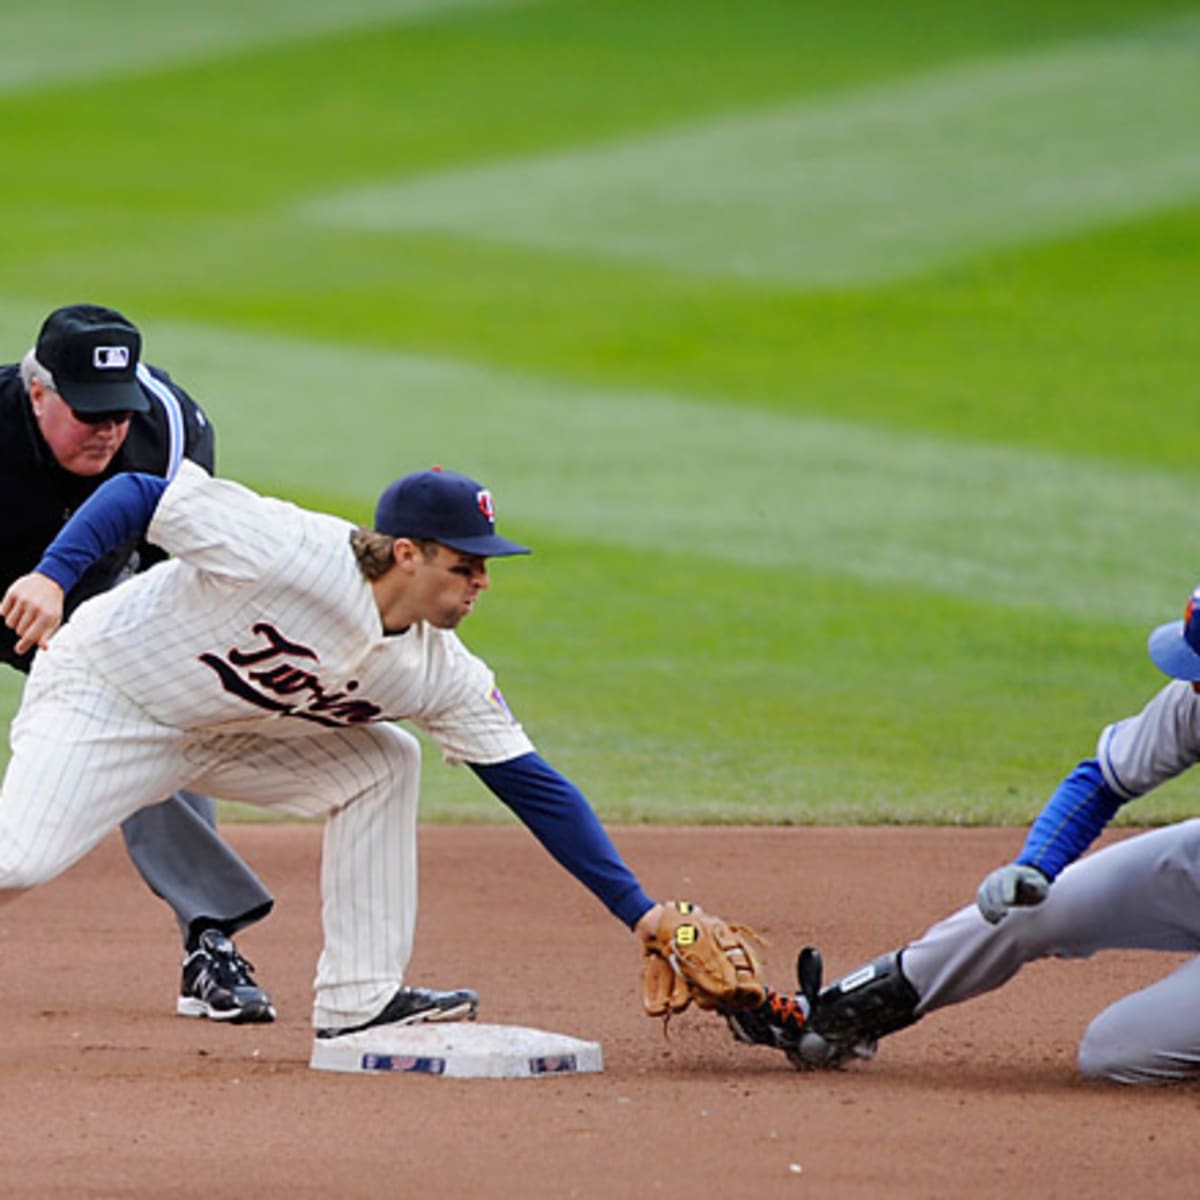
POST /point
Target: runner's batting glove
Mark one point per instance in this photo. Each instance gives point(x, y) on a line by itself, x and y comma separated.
point(1013, 886)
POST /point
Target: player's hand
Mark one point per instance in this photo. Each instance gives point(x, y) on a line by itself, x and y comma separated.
point(647, 924)
point(33, 608)
point(1013, 886)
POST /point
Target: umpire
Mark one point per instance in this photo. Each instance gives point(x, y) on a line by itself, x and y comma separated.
point(79, 408)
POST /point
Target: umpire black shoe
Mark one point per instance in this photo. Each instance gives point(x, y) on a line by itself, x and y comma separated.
point(417, 1006)
point(218, 983)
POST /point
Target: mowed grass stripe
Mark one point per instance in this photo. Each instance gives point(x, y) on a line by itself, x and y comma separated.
point(877, 184)
point(672, 474)
point(69, 41)
point(676, 678)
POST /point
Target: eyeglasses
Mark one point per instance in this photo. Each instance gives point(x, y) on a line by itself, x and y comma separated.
point(117, 417)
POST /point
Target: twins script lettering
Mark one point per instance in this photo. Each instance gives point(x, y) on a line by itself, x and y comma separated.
point(263, 675)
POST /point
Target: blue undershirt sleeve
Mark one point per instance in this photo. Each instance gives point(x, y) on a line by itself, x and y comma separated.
point(117, 510)
point(559, 816)
point(1071, 821)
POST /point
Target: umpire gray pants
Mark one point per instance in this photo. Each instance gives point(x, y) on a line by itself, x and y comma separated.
point(1139, 894)
point(177, 850)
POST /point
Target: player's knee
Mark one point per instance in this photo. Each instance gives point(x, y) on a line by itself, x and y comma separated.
point(1098, 1062)
point(19, 872)
point(404, 752)
point(393, 761)
point(1096, 1059)
point(1112, 1052)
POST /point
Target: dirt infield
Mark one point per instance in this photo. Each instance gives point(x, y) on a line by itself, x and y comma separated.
point(105, 1093)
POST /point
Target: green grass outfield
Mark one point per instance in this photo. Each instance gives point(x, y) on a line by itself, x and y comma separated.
point(839, 361)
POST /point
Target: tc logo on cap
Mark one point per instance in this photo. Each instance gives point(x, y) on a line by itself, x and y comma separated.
point(110, 358)
point(484, 499)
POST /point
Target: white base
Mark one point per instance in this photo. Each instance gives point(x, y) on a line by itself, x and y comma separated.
point(461, 1050)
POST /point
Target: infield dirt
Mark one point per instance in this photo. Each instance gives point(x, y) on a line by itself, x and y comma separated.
point(105, 1093)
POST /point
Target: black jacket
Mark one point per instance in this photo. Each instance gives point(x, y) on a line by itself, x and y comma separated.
point(37, 495)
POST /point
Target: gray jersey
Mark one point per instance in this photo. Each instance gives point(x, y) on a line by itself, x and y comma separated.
point(1162, 741)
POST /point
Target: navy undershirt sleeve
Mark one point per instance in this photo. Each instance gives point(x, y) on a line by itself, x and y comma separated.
point(117, 510)
point(559, 816)
point(1071, 821)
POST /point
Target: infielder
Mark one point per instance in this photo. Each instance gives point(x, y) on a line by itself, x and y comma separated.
point(78, 409)
point(1142, 893)
point(267, 662)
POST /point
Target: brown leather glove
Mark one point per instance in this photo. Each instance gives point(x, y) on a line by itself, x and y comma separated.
point(695, 956)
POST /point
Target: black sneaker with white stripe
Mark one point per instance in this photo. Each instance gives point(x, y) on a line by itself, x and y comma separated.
point(417, 1006)
point(218, 984)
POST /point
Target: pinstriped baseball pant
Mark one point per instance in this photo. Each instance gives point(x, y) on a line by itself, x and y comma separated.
point(84, 757)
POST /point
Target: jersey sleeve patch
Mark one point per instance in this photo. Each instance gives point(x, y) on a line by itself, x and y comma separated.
point(496, 699)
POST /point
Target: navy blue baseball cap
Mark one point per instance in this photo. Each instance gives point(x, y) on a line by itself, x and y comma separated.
point(445, 507)
point(1175, 647)
point(93, 353)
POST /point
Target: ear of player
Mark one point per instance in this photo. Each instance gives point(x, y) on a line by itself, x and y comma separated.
point(697, 957)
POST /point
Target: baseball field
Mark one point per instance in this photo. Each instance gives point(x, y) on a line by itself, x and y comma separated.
point(839, 363)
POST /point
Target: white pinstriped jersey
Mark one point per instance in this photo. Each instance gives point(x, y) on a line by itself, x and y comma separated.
point(1160, 742)
point(263, 622)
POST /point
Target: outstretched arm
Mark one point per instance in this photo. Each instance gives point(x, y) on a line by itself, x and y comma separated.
point(119, 509)
point(687, 954)
point(559, 816)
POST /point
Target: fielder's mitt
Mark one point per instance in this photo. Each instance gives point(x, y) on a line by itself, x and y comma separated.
point(695, 956)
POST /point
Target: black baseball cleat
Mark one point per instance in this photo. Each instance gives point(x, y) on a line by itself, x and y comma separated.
point(417, 1006)
point(783, 1022)
point(777, 1022)
point(218, 983)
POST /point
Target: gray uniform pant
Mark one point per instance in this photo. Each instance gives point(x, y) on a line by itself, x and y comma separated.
point(1139, 894)
point(177, 850)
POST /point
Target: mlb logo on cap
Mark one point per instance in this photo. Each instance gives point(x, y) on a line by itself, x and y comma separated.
point(1175, 647)
point(110, 358)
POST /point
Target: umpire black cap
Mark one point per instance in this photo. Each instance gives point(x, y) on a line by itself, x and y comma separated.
point(93, 353)
point(443, 506)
